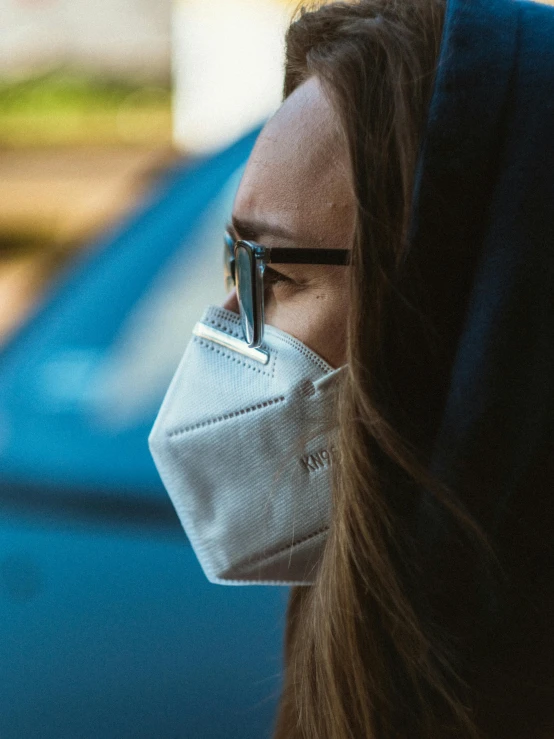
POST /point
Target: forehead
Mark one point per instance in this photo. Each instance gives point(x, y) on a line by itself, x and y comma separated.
point(298, 170)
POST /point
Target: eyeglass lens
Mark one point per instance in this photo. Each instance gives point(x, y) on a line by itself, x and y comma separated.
point(228, 262)
point(244, 272)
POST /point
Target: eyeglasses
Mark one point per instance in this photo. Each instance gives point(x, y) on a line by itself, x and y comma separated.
point(245, 262)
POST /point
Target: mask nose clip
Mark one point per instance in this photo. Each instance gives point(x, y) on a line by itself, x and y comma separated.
point(216, 336)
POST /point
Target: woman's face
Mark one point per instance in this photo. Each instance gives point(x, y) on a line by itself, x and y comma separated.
point(296, 192)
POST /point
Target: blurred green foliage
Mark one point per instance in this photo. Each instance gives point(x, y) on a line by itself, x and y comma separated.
point(66, 108)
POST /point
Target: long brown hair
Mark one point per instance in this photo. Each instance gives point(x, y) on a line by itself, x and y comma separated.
point(366, 654)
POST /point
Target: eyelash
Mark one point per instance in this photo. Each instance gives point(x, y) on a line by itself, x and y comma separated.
point(272, 277)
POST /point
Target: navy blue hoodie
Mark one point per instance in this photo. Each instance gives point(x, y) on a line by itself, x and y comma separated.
point(483, 247)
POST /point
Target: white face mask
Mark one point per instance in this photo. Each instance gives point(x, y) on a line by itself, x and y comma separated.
point(244, 445)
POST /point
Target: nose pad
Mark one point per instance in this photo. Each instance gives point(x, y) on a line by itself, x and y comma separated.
point(231, 302)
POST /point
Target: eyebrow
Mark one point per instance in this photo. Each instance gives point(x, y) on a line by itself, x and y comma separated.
point(253, 230)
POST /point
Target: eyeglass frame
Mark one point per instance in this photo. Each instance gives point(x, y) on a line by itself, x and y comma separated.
point(259, 256)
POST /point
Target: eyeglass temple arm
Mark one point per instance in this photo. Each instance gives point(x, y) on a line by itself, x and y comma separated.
point(280, 255)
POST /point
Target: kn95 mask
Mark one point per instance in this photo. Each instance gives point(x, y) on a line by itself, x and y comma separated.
point(243, 443)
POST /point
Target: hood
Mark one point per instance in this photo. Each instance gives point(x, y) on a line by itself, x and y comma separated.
point(482, 269)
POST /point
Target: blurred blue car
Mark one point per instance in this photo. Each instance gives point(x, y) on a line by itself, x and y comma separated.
point(109, 628)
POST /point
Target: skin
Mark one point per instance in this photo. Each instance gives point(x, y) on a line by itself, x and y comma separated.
point(298, 180)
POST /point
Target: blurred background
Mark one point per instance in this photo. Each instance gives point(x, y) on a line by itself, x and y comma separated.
point(124, 128)
point(97, 100)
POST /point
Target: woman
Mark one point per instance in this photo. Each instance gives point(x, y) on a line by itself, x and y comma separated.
point(412, 167)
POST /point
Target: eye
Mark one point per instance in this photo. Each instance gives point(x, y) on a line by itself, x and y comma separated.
point(272, 277)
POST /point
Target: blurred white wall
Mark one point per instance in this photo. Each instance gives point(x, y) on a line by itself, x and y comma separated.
point(227, 66)
point(119, 37)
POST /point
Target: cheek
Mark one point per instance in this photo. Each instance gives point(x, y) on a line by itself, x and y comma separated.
point(317, 316)
point(231, 302)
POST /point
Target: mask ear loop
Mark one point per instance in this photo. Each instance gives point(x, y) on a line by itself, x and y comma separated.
point(329, 378)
